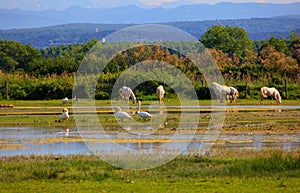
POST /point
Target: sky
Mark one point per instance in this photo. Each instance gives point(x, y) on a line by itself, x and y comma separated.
point(157, 2)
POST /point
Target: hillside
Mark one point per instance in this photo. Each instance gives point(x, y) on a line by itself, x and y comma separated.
point(258, 29)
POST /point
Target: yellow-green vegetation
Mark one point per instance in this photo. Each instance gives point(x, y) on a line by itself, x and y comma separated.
point(221, 171)
point(47, 113)
point(49, 73)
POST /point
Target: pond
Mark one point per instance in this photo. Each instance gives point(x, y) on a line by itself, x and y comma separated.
point(63, 141)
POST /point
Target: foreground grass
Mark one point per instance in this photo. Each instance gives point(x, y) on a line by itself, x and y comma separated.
point(266, 171)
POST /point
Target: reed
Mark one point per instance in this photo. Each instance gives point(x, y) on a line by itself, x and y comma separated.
point(245, 171)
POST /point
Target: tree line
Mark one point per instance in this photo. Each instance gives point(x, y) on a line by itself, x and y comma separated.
point(48, 73)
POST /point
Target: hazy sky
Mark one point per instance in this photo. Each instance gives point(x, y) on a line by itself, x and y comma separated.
point(157, 2)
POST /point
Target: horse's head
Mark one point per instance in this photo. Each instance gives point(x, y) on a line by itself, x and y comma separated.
point(133, 100)
point(278, 98)
point(237, 94)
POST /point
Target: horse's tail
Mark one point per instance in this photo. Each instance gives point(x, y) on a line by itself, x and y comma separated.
point(263, 92)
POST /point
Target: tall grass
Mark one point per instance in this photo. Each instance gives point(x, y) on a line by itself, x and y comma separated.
point(277, 163)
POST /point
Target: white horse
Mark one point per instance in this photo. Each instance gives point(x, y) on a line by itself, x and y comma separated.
point(270, 92)
point(125, 93)
point(224, 92)
point(160, 93)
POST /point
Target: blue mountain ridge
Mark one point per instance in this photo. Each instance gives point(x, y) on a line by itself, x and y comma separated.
point(17, 18)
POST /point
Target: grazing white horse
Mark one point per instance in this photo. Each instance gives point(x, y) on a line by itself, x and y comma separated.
point(270, 92)
point(160, 93)
point(125, 93)
point(224, 92)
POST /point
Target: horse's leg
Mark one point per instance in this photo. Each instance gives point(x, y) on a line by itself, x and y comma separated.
point(227, 98)
point(271, 99)
point(232, 99)
point(221, 98)
point(261, 100)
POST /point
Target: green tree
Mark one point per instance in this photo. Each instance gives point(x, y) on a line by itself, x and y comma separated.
point(14, 55)
point(293, 42)
point(279, 44)
point(231, 40)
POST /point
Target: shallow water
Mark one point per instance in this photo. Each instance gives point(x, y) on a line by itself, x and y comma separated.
point(64, 141)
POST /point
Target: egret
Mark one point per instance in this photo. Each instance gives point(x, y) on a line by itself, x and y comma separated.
point(142, 114)
point(65, 115)
point(122, 115)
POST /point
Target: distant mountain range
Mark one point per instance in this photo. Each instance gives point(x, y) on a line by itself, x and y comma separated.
point(168, 12)
point(65, 4)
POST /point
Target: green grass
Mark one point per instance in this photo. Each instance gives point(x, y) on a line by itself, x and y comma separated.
point(167, 102)
point(236, 121)
point(271, 171)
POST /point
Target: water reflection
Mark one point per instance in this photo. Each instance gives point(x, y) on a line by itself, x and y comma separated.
point(63, 141)
point(40, 140)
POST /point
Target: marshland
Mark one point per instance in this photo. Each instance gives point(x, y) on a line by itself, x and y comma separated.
point(257, 149)
point(80, 145)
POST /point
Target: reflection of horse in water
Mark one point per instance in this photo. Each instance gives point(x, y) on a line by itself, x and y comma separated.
point(270, 92)
point(160, 93)
point(125, 93)
point(224, 92)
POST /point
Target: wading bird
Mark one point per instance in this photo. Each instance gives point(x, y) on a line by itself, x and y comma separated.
point(122, 115)
point(65, 115)
point(142, 114)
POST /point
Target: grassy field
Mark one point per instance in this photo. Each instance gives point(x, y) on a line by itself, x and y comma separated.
point(222, 171)
point(167, 102)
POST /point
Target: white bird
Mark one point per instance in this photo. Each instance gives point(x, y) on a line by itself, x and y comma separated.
point(122, 115)
point(65, 115)
point(142, 114)
point(65, 100)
